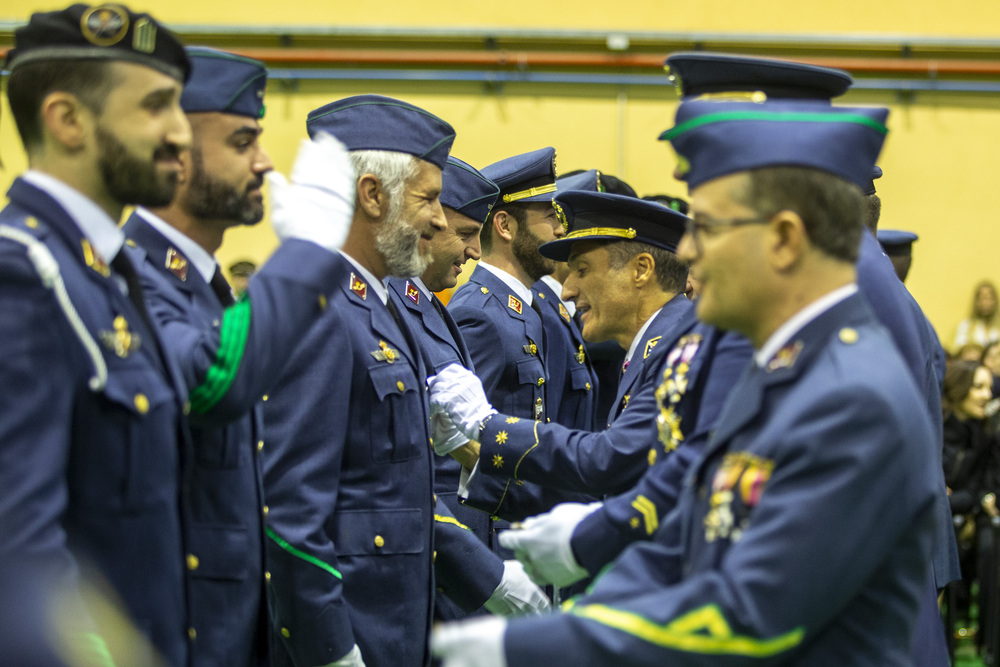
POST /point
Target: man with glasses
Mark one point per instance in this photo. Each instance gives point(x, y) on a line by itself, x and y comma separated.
point(804, 532)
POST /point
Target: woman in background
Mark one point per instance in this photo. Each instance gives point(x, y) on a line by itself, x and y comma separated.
point(983, 325)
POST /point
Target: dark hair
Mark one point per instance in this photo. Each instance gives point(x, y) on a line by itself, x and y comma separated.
point(514, 209)
point(830, 207)
point(90, 81)
point(958, 378)
point(873, 211)
point(671, 272)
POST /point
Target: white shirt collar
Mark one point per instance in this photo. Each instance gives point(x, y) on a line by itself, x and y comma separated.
point(515, 285)
point(422, 287)
point(102, 232)
point(556, 287)
point(380, 290)
point(638, 336)
point(796, 322)
point(203, 262)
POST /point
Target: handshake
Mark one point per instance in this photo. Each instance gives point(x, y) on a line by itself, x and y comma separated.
point(458, 408)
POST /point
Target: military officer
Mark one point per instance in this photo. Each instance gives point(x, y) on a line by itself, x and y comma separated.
point(90, 429)
point(216, 341)
point(347, 459)
point(897, 244)
point(479, 578)
point(804, 533)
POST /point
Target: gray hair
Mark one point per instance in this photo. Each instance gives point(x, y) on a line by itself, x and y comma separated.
point(392, 168)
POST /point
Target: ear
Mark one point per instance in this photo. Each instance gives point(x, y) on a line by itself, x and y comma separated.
point(66, 119)
point(787, 240)
point(505, 225)
point(372, 197)
point(644, 268)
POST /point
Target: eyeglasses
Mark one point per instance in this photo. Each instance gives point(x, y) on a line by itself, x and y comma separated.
point(698, 224)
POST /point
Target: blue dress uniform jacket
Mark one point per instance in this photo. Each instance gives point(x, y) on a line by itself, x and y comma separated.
point(803, 535)
point(224, 493)
point(601, 462)
point(348, 478)
point(921, 350)
point(89, 476)
point(701, 369)
point(505, 340)
point(572, 384)
point(441, 344)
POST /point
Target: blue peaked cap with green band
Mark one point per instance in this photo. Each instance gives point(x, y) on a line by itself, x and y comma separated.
point(713, 139)
point(224, 82)
point(377, 123)
point(467, 191)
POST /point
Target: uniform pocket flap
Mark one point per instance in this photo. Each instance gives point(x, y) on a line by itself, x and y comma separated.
point(392, 379)
point(529, 371)
point(375, 532)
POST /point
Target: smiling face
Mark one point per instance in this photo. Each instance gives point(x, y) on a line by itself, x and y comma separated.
point(726, 263)
point(451, 249)
point(974, 404)
point(227, 167)
point(603, 295)
point(139, 137)
point(413, 218)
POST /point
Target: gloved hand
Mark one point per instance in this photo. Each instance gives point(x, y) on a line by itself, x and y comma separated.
point(446, 436)
point(542, 544)
point(477, 643)
point(318, 204)
point(459, 392)
point(352, 659)
point(517, 595)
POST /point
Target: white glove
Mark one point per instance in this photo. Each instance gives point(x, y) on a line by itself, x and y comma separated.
point(318, 204)
point(459, 392)
point(542, 544)
point(352, 659)
point(477, 643)
point(446, 436)
point(517, 595)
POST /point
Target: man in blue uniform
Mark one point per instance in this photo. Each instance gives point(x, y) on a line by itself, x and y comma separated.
point(804, 533)
point(468, 574)
point(220, 187)
point(90, 433)
point(347, 459)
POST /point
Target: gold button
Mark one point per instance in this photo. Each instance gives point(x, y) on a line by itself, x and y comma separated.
point(187, 408)
point(266, 509)
point(285, 633)
point(538, 401)
point(192, 562)
point(130, 243)
point(141, 403)
point(322, 302)
point(588, 386)
point(264, 397)
point(541, 381)
point(379, 541)
point(400, 386)
point(434, 557)
point(435, 498)
point(484, 290)
point(848, 336)
point(541, 296)
point(260, 445)
point(30, 221)
point(192, 634)
point(267, 576)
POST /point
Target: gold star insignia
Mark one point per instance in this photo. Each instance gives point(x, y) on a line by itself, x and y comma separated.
point(513, 420)
point(501, 437)
point(497, 461)
point(634, 522)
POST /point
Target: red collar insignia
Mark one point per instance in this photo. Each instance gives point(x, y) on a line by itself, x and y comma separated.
point(359, 287)
point(514, 304)
point(412, 292)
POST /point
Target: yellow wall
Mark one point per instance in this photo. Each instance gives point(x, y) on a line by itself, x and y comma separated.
point(939, 161)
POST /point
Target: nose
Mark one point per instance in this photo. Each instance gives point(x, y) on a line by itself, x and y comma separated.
point(474, 249)
point(179, 129)
point(570, 291)
point(438, 221)
point(686, 249)
point(560, 231)
point(262, 164)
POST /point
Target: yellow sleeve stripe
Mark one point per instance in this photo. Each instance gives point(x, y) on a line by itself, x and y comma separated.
point(527, 451)
point(703, 630)
point(450, 519)
point(647, 509)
